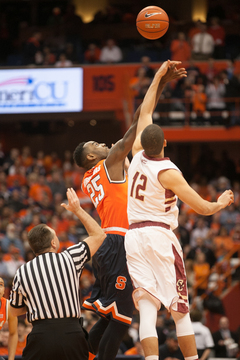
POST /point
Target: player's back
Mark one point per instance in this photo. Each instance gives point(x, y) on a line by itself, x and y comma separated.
point(109, 198)
point(148, 200)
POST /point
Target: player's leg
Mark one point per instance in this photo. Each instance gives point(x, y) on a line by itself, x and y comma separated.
point(111, 340)
point(185, 334)
point(95, 335)
point(147, 328)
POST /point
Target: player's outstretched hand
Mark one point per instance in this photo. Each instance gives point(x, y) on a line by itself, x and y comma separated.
point(226, 199)
point(173, 73)
point(73, 201)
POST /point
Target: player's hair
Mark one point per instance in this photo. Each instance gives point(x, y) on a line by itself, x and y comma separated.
point(40, 238)
point(152, 139)
point(195, 315)
point(79, 155)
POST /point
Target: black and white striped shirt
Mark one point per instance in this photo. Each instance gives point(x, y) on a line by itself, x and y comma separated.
point(49, 284)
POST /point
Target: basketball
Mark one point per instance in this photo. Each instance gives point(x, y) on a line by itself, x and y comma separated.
point(152, 22)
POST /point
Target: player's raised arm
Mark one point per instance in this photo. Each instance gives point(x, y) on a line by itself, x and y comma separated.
point(173, 180)
point(166, 73)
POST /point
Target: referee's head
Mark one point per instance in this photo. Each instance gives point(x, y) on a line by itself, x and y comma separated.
point(43, 239)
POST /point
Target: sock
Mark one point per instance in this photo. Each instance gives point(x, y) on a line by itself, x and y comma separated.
point(152, 357)
point(91, 356)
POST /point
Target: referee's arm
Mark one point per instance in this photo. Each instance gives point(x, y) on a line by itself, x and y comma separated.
point(96, 234)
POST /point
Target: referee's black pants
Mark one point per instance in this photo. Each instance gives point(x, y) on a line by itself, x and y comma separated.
point(56, 339)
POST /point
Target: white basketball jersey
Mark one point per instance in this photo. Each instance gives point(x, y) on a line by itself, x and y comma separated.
point(148, 200)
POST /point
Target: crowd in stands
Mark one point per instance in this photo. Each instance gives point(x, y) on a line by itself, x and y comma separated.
point(202, 92)
point(61, 36)
point(32, 188)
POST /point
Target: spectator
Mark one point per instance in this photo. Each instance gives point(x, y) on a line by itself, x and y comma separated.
point(63, 61)
point(136, 350)
point(202, 44)
point(211, 71)
point(180, 48)
point(170, 350)
point(201, 230)
point(111, 53)
point(203, 336)
point(11, 238)
point(201, 270)
point(199, 101)
point(21, 336)
point(215, 92)
point(201, 247)
point(32, 46)
point(225, 340)
point(56, 183)
point(218, 33)
point(92, 54)
point(146, 64)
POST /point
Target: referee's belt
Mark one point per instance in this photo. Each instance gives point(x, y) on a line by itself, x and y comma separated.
point(148, 223)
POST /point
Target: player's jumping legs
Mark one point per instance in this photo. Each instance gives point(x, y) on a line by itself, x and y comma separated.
point(185, 334)
point(147, 328)
point(105, 338)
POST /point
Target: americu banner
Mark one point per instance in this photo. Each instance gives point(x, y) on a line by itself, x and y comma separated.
point(41, 90)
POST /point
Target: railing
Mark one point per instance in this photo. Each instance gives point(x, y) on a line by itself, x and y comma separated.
point(178, 112)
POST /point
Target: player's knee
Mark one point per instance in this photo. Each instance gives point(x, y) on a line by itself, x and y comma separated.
point(148, 317)
point(183, 323)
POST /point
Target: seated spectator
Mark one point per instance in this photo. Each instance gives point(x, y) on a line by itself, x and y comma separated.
point(12, 239)
point(211, 71)
point(39, 188)
point(139, 83)
point(201, 270)
point(146, 64)
point(13, 260)
point(199, 101)
point(63, 61)
point(201, 247)
point(111, 53)
point(194, 29)
point(180, 48)
point(170, 350)
point(222, 243)
point(218, 33)
point(200, 231)
point(56, 183)
point(225, 340)
point(22, 340)
point(228, 217)
point(92, 54)
point(49, 58)
point(137, 349)
point(215, 92)
point(31, 47)
point(202, 44)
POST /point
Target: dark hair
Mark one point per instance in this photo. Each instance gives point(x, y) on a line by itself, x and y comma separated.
point(79, 155)
point(152, 139)
point(40, 238)
point(195, 315)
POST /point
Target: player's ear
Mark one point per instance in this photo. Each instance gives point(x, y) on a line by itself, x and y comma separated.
point(164, 143)
point(90, 157)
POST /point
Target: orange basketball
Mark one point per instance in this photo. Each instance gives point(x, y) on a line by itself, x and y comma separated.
point(152, 22)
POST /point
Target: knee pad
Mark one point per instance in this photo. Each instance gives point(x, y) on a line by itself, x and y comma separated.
point(148, 317)
point(183, 323)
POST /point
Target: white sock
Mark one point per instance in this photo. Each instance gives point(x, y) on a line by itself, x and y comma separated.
point(152, 357)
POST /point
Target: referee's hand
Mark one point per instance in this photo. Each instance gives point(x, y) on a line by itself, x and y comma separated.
point(73, 201)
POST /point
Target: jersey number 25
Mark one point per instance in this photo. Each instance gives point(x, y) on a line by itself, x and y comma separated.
point(95, 190)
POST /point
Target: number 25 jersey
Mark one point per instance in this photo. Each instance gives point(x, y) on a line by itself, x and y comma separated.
point(109, 198)
point(148, 200)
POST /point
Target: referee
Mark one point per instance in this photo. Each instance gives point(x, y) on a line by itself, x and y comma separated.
point(47, 289)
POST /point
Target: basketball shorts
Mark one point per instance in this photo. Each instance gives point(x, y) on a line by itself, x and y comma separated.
point(155, 264)
point(111, 296)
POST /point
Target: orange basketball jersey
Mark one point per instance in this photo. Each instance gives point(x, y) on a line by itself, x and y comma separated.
point(109, 198)
point(3, 312)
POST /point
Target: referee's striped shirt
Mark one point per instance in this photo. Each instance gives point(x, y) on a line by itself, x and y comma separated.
point(49, 284)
